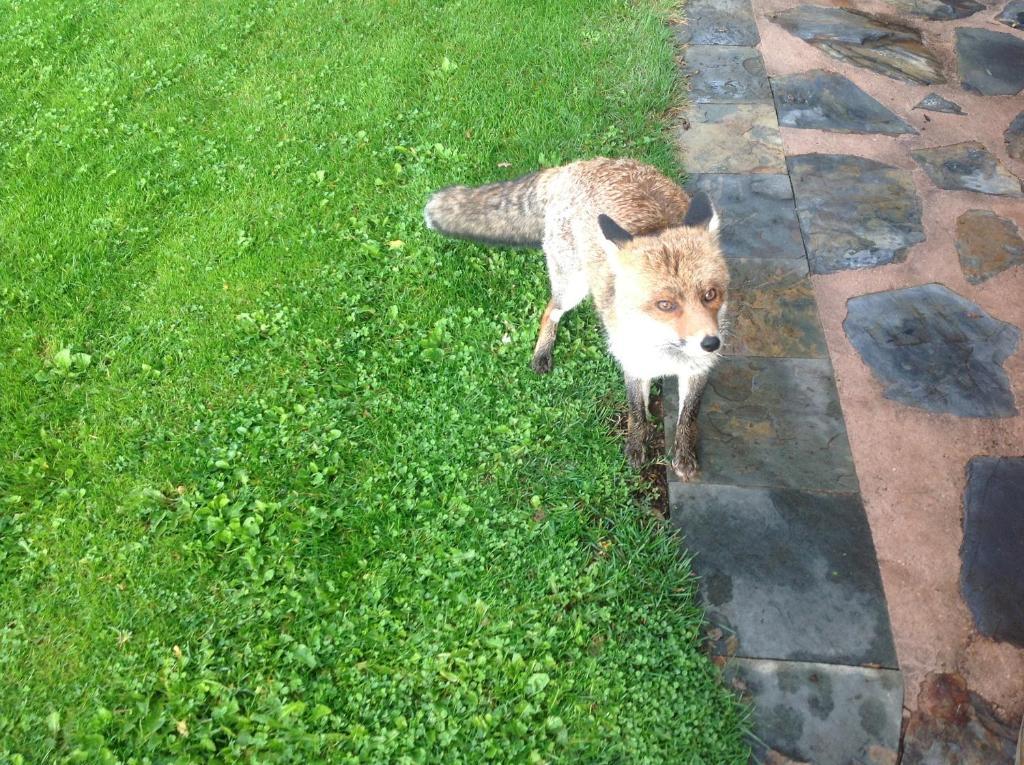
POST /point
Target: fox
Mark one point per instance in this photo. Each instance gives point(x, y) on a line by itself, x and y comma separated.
point(623, 233)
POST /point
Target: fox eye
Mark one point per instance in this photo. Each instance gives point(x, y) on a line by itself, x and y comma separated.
point(666, 305)
point(710, 295)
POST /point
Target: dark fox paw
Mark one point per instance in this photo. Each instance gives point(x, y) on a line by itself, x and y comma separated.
point(542, 363)
point(685, 466)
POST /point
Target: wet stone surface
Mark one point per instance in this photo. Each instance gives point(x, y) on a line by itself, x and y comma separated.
point(772, 310)
point(992, 553)
point(953, 725)
point(854, 212)
point(938, 10)
point(718, 22)
point(968, 166)
point(990, 63)
point(933, 102)
point(886, 47)
point(1014, 137)
point(771, 423)
point(1012, 14)
point(720, 73)
point(732, 138)
point(935, 350)
point(826, 101)
point(821, 713)
point(758, 219)
point(786, 574)
point(987, 245)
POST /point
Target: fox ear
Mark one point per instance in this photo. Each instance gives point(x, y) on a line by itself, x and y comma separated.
point(612, 231)
point(701, 213)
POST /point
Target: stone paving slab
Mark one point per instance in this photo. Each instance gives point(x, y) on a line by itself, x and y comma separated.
point(726, 73)
point(718, 22)
point(772, 310)
point(771, 423)
point(969, 166)
point(758, 217)
point(987, 245)
point(786, 574)
point(731, 138)
point(823, 714)
point(990, 62)
point(823, 100)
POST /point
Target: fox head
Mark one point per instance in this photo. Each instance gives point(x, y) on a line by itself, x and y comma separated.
point(671, 285)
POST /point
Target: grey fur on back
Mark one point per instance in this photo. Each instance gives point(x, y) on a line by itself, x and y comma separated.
point(509, 213)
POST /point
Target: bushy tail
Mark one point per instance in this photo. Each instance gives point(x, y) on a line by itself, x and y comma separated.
point(504, 213)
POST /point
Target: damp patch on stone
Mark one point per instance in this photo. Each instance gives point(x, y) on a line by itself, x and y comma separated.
point(854, 212)
point(938, 10)
point(968, 166)
point(826, 101)
point(991, 574)
point(883, 46)
point(718, 22)
point(1014, 137)
point(725, 73)
point(990, 63)
point(935, 350)
point(731, 138)
point(933, 102)
point(987, 245)
point(1012, 14)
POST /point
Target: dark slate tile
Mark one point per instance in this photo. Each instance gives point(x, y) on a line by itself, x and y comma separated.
point(992, 553)
point(1014, 137)
point(935, 350)
point(771, 423)
point(987, 245)
point(990, 62)
point(724, 73)
point(968, 166)
point(878, 44)
point(938, 10)
point(933, 102)
point(758, 217)
point(718, 22)
point(821, 713)
point(786, 574)
point(854, 212)
point(731, 138)
point(826, 101)
point(1012, 14)
point(772, 311)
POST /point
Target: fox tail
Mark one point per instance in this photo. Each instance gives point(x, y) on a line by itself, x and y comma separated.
point(506, 213)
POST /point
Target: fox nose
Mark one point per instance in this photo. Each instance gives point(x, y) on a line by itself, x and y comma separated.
point(710, 343)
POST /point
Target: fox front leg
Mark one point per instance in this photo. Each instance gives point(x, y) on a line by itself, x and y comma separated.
point(637, 393)
point(684, 457)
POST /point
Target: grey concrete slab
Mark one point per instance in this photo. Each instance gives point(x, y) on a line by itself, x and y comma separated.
point(821, 713)
point(731, 138)
point(786, 574)
point(770, 423)
point(718, 22)
point(726, 73)
point(757, 213)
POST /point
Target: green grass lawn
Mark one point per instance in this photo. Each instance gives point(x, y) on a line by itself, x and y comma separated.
point(276, 481)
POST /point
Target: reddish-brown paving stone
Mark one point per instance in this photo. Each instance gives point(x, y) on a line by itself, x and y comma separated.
point(912, 464)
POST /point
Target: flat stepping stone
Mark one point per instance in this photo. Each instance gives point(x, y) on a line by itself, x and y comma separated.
point(786, 574)
point(935, 350)
point(1014, 137)
point(758, 219)
point(724, 73)
point(939, 10)
point(1012, 14)
point(732, 138)
point(854, 212)
point(992, 553)
point(987, 245)
point(883, 46)
point(968, 166)
point(823, 714)
point(990, 63)
point(825, 101)
point(771, 423)
point(718, 22)
point(933, 102)
point(772, 311)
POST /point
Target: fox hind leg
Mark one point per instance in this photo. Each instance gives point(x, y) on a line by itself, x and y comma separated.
point(566, 294)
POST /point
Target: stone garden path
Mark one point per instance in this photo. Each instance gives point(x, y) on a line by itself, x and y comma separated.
point(865, 574)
